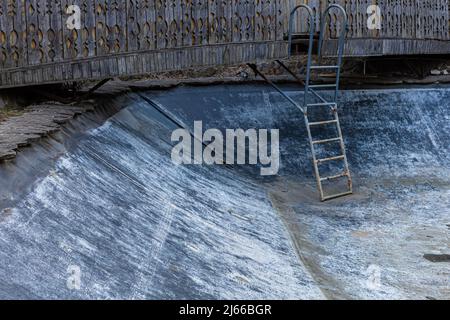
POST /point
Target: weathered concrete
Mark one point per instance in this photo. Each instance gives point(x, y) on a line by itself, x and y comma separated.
point(140, 227)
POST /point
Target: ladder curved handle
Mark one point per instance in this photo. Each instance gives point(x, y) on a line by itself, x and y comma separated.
point(311, 26)
point(323, 23)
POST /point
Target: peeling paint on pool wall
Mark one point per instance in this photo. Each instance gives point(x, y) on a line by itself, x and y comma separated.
point(209, 147)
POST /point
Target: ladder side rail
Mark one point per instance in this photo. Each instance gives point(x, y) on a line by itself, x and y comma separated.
point(314, 158)
point(299, 80)
point(309, 63)
point(341, 46)
point(323, 24)
point(344, 151)
point(341, 41)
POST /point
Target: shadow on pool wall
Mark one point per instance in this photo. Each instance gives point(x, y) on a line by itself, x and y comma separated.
point(137, 226)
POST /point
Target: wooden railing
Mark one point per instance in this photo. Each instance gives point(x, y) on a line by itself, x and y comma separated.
point(401, 19)
point(127, 37)
point(134, 37)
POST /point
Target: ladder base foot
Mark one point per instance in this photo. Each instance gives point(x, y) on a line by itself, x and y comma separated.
point(335, 196)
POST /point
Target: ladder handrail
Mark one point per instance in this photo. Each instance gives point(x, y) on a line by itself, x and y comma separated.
point(341, 41)
point(312, 22)
point(323, 23)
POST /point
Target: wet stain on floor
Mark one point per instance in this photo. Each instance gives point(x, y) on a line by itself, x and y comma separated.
point(437, 257)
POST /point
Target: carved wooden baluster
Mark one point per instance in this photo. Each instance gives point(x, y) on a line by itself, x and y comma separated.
point(134, 32)
point(150, 24)
point(15, 30)
point(161, 24)
point(249, 21)
point(88, 25)
point(187, 23)
point(50, 23)
point(237, 20)
point(271, 20)
point(201, 15)
point(101, 29)
point(32, 33)
point(115, 21)
point(3, 50)
point(282, 11)
point(220, 21)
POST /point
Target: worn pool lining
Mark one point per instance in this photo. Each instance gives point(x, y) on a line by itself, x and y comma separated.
point(35, 161)
point(318, 275)
point(330, 288)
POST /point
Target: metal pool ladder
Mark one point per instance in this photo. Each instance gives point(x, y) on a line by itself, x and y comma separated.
point(310, 90)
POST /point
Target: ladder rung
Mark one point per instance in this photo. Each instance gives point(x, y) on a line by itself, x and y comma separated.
point(320, 86)
point(324, 104)
point(344, 174)
point(321, 123)
point(330, 159)
point(324, 67)
point(334, 196)
point(300, 41)
point(326, 141)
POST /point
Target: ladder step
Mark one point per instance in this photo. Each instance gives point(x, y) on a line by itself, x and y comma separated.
point(324, 67)
point(301, 35)
point(334, 196)
point(300, 41)
point(344, 174)
point(327, 140)
point(330, 159)
point(321, 123)
point(321, 86)
point(324, 104)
